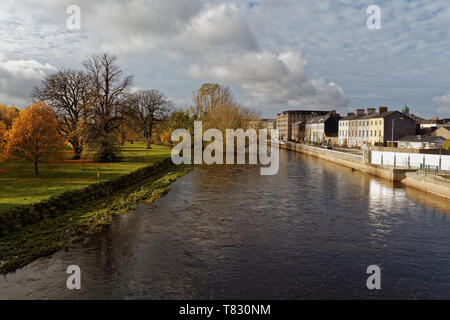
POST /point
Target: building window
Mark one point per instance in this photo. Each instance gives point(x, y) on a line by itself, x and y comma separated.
point(375, 133)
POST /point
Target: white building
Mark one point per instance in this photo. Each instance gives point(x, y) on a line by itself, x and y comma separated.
point(421, 142)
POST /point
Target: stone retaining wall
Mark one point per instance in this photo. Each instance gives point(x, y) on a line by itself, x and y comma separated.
point(428, 184)
point(353, 161)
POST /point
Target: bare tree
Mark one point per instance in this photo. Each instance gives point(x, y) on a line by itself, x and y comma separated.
point(66, 92)
point(208, 97)
point(216, 107)
point(107, 87)
point(147, 109)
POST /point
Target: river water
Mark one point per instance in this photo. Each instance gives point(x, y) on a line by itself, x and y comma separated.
point(226, 232)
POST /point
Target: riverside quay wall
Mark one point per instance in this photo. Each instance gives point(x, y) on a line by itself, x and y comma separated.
point(356, 162)
point(428, 184)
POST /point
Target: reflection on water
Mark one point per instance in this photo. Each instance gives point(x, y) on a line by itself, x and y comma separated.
point(226, 232)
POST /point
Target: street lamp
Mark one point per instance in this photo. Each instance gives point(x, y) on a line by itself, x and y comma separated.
point(392, 137)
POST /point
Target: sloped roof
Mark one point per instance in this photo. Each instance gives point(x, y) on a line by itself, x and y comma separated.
point(430, 139)
point(298, 123)
point(432, 121)
point(320, 119)
point(305, 111)
point(348, 117)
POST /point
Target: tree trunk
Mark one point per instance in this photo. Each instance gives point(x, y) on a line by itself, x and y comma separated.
point(148, 137)
point(148, 144)
point(36, 171)
point(77, 149)
point(77, 152)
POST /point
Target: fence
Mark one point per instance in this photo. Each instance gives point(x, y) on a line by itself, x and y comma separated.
point(411, 160)
point(433, 172)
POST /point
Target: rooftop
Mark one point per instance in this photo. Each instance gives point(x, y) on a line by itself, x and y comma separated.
point(322, 118)
point(305, 111)
point(298, 123)
point(431, 139)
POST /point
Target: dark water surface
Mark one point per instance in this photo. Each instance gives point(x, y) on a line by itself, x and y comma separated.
point(226, 232)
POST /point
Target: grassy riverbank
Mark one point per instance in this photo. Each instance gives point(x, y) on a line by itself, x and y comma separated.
point(19, 186)
point(50, 235)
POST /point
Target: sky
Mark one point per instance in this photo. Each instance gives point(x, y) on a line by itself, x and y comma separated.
point(273, 54)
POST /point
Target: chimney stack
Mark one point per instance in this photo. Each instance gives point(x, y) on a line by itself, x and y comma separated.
point(371, 111)
point(382, 109)
point(359, 112)
point(435, 119)
point(350, 114)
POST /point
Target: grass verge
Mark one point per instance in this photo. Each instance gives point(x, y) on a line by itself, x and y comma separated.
point(20, 187)
point(44, 238)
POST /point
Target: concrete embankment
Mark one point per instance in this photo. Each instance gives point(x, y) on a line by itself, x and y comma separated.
point(356, 162)
point(428, 184)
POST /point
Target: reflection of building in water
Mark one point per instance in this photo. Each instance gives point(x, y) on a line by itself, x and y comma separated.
point(384, 201)
point(382, 194)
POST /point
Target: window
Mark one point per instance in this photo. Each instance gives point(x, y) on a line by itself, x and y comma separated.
point(375, 133)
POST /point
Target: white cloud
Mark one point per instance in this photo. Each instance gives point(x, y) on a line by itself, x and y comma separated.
point(175, 45)
point(140, 26)
point(269, 79)
point(17, 78)
point(443, 104)
point(213, 39)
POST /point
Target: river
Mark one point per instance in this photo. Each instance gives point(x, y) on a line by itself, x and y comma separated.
point(226, 232)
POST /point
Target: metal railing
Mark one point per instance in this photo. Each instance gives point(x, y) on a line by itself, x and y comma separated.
point(433, 172)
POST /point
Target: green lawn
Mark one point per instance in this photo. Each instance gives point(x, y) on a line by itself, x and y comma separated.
point(19, 186)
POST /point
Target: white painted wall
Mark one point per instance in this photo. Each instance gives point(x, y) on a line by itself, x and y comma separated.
point(415, 159)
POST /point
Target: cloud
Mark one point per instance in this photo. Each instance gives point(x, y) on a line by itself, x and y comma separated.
point(210, 39)
point(443, 104)
point(138, 26)
point(18, 77)
point(176, 45)
point(269, 79)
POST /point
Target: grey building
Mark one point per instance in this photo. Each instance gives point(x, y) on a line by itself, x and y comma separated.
point(323, 128)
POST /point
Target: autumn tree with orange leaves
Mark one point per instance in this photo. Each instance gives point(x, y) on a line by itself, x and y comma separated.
point(34, 135)
point(3, 135)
